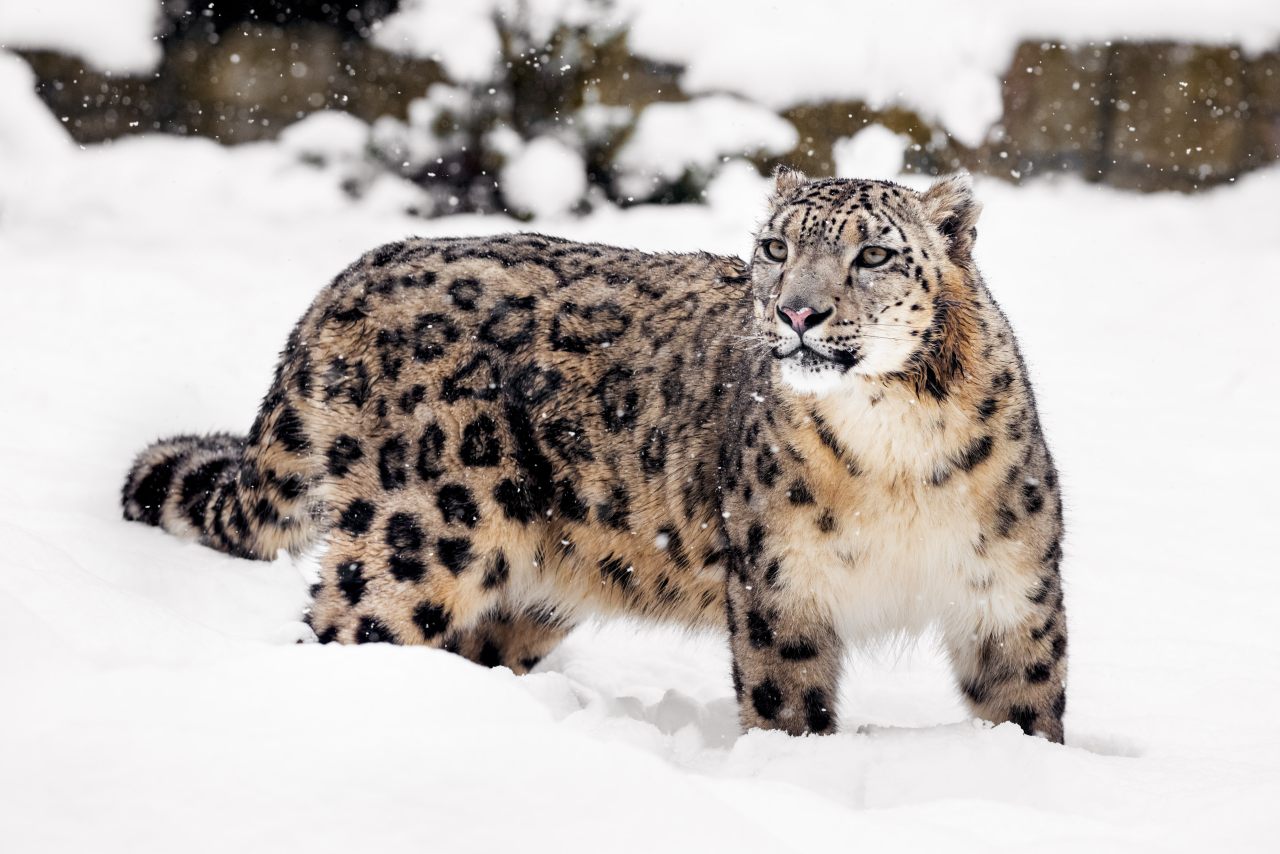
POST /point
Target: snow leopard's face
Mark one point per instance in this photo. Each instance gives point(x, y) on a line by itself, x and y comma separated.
point(851, 277)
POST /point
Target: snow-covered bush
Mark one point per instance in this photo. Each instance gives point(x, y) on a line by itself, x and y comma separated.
point(685, 143)
point(545, 178)
point(441, 146)
point(340, 145)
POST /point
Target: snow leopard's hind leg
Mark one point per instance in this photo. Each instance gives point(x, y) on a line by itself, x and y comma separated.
point(425, 560)
point(516, 639)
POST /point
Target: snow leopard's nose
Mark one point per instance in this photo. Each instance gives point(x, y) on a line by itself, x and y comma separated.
point(802, 318)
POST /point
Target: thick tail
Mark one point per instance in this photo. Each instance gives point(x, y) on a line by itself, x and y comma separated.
point(248, 500)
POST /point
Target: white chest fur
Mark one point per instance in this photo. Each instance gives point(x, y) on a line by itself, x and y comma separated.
point(905, 551)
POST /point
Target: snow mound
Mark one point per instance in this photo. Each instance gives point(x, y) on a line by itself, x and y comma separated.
point(739, 187)
point(32, 142)
point(459, 36)
point(546, 178)
point(671, 139)
point(327, 136)
point(873, 152)
point(119, 35)
point(28, 131)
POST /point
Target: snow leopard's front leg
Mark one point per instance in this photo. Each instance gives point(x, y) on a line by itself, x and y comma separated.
point(786, 662)
point(1017, 672)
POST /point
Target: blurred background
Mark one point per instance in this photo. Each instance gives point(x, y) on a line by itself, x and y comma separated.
point(546, 106)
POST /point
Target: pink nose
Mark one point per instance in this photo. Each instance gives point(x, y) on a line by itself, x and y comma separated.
point(801, 318)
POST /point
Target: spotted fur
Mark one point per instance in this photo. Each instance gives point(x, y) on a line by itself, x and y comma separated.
point(497, 437)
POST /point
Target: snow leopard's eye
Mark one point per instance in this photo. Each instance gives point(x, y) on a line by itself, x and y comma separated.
point(774, 250)
point(873, 256)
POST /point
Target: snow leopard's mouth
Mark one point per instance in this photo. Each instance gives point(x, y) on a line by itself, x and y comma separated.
point(810, 357)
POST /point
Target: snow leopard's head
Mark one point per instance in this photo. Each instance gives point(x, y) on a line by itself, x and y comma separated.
point(864, 278)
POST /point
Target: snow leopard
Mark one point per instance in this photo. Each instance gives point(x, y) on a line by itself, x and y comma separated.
point(492, 439)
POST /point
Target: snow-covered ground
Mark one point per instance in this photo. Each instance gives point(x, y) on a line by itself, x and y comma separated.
point(152, 698)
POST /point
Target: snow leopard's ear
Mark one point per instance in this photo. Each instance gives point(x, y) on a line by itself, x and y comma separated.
point(786, 181)
point(950, 207)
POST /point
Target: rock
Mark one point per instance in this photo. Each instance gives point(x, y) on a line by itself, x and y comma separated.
point(1053, 112)
point(821, 125)
point(1175, 120)
point(1262, 119)
point(247, 84)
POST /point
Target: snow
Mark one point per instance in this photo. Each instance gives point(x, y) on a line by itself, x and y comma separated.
point(460, 36)
point(119, 35)
point(873, 152)
point(940, 57)
point(155, 700)
point(672, 138)
point(327, 136)
point(338, 145)
point(29, 131)
point(417, 142)
point(545, 178)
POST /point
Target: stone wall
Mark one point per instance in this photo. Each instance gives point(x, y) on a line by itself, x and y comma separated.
point(1140, 116)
